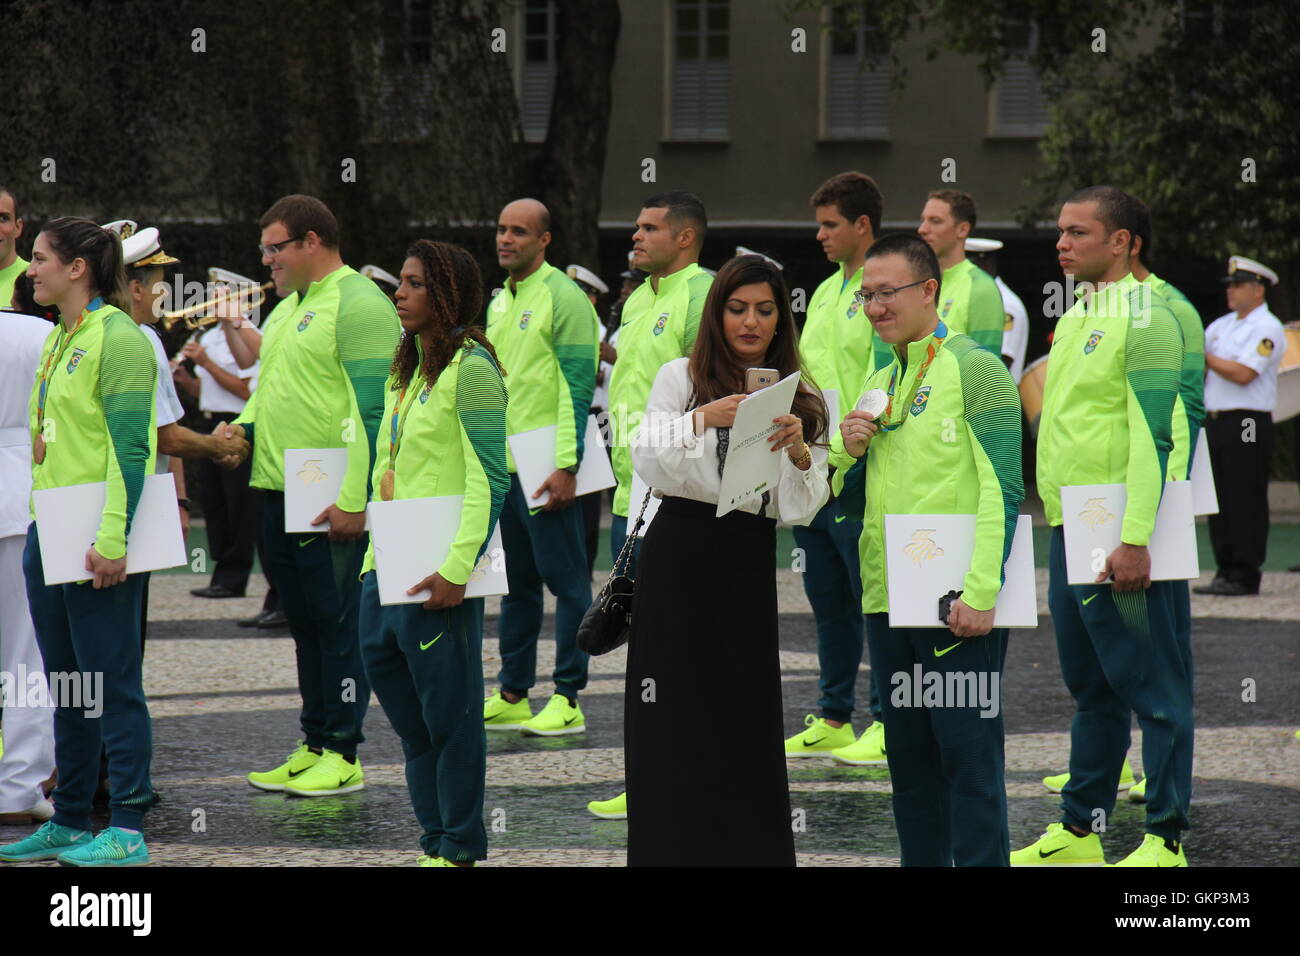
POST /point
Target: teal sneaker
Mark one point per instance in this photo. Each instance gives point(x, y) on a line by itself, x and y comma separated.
point(556, 719)
point(45, 844)
point(113, 847)
point(500, 714)
point(819, 739)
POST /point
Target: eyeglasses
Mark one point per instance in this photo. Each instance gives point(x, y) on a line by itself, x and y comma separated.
point(275, 248)
point(863, 298)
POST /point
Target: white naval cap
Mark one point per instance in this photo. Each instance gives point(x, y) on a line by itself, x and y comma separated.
point(584, 276)
point(1241, 269)
point(141, 248)
point(231, 278)
point(746, 251)
point(377, 274)
point(983, 245)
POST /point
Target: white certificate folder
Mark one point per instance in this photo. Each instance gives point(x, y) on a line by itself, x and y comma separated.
point(67, 520)
point(534, 454)
point(313, 478)
point(412, 538)
point(928, 555)
point(1093, 516)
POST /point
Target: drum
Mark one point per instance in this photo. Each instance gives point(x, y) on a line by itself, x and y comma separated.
point(1288, 379)
point(1031, 392)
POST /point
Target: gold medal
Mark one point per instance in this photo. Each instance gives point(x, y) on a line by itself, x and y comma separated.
point(38, 450)
point(386, 485)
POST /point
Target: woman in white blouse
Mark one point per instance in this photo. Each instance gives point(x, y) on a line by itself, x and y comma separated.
point(703, 728)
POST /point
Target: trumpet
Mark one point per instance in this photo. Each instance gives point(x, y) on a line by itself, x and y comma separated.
point(201, 315)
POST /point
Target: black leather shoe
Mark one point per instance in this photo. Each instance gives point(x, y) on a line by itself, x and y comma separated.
point(1224, 588)
point(1294, 568)
point(272, 619)
point(216, 591)
point(251, 621)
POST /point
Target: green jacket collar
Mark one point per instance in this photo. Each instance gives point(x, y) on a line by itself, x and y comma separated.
point(327, 281)
point(669, 283)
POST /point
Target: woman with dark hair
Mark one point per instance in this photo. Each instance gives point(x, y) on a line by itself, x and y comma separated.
point(443, 433)
point(92, 420)
point(704, 622)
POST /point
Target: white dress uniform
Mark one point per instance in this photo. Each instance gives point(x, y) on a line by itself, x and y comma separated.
point(1239, 434)
point(1256, 340)
point(213, 397)
point(167, 404)
point(1015, 336)
point(29, 731)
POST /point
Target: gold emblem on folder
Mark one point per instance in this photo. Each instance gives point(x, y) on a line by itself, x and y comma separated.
point(311, 472)
point(1094, 513)
point(922, 547)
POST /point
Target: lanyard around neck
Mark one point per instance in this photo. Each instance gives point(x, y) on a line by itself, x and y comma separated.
point(931, 351)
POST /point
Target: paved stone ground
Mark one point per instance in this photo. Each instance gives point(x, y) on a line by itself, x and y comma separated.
point(224, 702)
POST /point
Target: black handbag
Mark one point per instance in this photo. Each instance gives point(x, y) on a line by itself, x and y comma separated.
point(607, 623)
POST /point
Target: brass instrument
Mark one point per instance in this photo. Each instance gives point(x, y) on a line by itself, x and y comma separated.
point(200, 315)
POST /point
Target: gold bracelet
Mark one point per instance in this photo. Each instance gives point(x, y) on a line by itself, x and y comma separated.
point(804, 459)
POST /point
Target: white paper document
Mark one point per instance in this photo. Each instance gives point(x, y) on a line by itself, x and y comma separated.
point(313, 478)
point(1205, 499)
point(412, 538)
point(639, 488)
point(67, 520)
point(752, 468)
point(928, 555)
point(1094, 517)
point(534, 454)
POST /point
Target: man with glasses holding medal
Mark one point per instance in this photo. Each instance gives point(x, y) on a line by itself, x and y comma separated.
point(324, 363)
point(937, 431)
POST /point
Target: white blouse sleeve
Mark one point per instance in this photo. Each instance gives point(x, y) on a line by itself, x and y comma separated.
point(666, 452)
point(801, 494)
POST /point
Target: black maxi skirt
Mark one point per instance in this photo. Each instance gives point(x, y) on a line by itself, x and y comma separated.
point(703, 731)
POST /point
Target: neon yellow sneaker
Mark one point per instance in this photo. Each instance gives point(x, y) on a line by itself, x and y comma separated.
point(438, 861)
point(818, 739)
point(1138, 792)
point(556, 719)
point(615, 809)
point(1153, 852)
point(867, 751)
point(1061, 847)
point(330, 775)
point(500, 714)
point(300, 760)
point(1057, 783)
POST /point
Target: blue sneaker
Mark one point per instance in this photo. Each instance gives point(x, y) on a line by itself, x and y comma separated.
point(45, 844)
point(113, 847)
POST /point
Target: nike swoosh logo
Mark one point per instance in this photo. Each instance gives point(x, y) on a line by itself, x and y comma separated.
point(296, 773)
point(304, 543)
point(425, 647)
point(1044, 856)
point(1087, 599)
point(571, 720)
point(940, 653)
point(347, 780)
point(840, 518)
point(813, 743)
point(132, 847)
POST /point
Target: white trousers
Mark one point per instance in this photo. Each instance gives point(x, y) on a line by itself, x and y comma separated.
point(29, 731)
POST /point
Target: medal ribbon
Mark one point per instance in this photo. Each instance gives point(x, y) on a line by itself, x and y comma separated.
point(398, 423)
point(931, 351)
point(56, 356)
